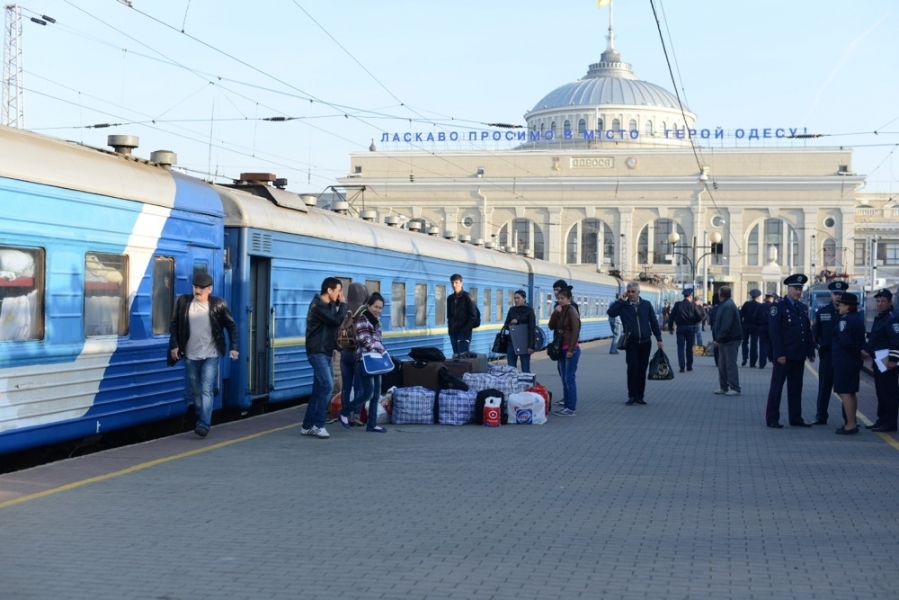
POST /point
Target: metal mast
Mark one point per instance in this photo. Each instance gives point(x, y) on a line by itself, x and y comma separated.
point(13, 68)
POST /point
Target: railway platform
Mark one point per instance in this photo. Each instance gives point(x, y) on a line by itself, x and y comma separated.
point(690, 496)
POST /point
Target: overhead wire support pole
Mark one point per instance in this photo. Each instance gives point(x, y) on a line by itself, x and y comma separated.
point(13, 69)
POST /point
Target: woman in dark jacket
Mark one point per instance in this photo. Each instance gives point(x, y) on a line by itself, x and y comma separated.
point(566, 320)
point(521, 314)
point(846, 355)
point(368, 339)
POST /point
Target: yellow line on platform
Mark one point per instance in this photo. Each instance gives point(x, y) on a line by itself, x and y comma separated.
point(139, 467)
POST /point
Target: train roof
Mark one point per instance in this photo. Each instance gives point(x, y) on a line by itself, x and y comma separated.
point(244, 209)
point(40, 159)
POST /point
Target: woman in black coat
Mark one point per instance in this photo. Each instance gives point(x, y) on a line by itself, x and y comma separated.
point(521, 314)
point(846, 354)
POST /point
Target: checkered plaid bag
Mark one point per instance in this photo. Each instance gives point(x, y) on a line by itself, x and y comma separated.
point(413, 405)
point(456, 407)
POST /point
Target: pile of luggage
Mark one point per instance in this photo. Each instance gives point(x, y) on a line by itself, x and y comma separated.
point(465, 389)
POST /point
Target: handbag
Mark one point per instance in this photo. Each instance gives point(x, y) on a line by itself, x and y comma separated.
point(554, 348)
point(501, 342)
point(375, 363)
point(660, 367)
point(622, 341)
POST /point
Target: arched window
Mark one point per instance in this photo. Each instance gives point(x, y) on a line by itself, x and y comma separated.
point(552, 127)
point(616, 125)
point(525, 236)
point(566, 126)
point(652, 249)
point(582, 126)
point(600, 124)
point(632, 125)
point(648, 128)
point(777, 234)
point(830, 254)
point(583, 243)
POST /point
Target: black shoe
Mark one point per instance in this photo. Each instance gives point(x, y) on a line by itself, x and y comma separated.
point(202, 432)
point(843, 431)
point(819, 422)
point(800, 424)
point(689, 368)
point(775, 425)
point(743, 364)
point(873, 425)
point(682, 370)
point(761, 366)
point(884, 429)
point(630, 402)
point(642, 401)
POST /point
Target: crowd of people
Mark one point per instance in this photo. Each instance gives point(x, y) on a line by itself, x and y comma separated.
point(775, 330)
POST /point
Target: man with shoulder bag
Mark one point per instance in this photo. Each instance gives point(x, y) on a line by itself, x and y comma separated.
point(640, 325)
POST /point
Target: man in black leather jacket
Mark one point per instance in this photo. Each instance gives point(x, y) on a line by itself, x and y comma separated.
point(640, 323)
point(197, 334)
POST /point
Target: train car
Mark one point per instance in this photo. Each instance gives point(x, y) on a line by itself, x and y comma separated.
point(91, 246)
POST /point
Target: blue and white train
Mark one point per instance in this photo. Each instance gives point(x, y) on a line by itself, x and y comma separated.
point(95, 245)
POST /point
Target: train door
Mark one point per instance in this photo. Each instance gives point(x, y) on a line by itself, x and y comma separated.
point(261, 317)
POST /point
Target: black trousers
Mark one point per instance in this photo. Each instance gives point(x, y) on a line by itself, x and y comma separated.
point(764, 348)
point(887, 387)
point(686, 339)
point(825, 384)
point(751, 344)
point(791, 373)
point(637, 364)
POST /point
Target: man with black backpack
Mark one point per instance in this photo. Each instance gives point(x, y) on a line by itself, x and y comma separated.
point(462, 316)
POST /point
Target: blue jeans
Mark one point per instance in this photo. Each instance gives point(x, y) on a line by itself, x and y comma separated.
point(201, 377)
point(371, 393)
point(322, 384)
point(349, 379)
point(512, 359)
point(615, 324)
point(460, 341)
point(568, 371)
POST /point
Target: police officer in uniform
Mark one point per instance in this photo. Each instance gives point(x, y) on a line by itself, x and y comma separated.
point(791, 345)
point(748, 317)
point(822, 331)
point(762, 324)
point(885, 336)
point(686, 315)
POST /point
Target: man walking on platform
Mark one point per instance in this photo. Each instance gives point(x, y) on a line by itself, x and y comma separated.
point(764, 337)
point(728, 334)
point(885, 336)
point(791, 345)
point(748, 316)
point(686, 315)
point(823, 331)
point(638, 317)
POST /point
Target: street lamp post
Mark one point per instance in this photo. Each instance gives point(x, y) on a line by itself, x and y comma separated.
point(714, 247)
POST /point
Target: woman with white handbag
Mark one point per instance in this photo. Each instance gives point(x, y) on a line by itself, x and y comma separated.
point(369, 350)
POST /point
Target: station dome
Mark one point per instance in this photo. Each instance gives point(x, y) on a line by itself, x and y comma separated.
point(610, 104)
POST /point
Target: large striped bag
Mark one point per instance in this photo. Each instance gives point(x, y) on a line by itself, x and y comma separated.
point(456, 407)
point(413, 405)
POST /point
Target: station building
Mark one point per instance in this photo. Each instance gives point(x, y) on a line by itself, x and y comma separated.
point(605, 176)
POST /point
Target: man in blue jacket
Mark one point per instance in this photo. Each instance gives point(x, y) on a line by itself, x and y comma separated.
point(638, 317)
point(686, 315)
point(826, 318)
point(885, 336)
point(791, 345)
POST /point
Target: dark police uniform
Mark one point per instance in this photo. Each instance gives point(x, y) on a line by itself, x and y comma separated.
point(823, 330)
point(764, 339)
point(686, 315)
point(791, 338)
point(848, 342)
point(748, 318)
point(885, 336)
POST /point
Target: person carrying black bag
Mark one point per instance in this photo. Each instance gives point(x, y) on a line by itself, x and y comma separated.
point(639, 319)
point(521, 314)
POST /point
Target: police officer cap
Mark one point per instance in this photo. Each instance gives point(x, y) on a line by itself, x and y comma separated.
point(770, 295)
point(838, 286)
point(885, 293)
point(798, 279)
point(202, 280)
point(688, 292)
point(755, 293)
point(849, 298)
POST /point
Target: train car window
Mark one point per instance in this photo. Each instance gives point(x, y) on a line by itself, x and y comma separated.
point(163, 293)
point(421, 304)
point(345, 283)
point(397, 305)
point(105, 294)
point(474, 296)
point(439, 305)
point(488, 305)
point(21, 294)
point(500, 313)
point(550, 301)
point(373, 286)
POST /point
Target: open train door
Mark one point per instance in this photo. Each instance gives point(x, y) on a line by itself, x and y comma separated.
point(261, 322)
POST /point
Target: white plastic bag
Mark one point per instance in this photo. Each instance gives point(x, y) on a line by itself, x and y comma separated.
point(526, 408)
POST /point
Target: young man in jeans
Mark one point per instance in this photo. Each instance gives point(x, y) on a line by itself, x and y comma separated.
point(324, 317)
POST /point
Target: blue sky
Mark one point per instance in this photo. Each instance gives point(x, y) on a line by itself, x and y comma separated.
point(422, 66)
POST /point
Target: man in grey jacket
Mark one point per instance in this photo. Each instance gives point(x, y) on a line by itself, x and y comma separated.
point(728, 333)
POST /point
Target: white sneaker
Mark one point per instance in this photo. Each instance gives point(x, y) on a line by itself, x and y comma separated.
point(721, 392)
point(732, 393)
point(320, 432)
point(304, 431)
